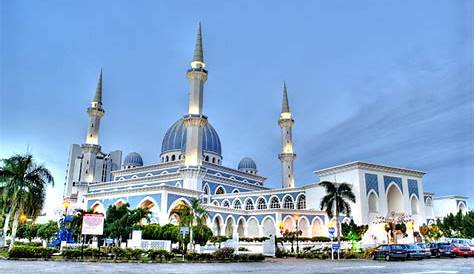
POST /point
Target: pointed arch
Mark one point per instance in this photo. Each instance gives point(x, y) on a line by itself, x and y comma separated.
point(303, 226)
point(301, 201)
point(288, 223)
point(220, 190)
point(261, 203)
point(229, 226)
point(241, 224)
point(394, 199)
point(269, 228)
point(217, 223)
point(225, 203)
point(373, 201)
point(237, 204)
point(275, 202)
point(317, 227)
point(249, 204)
point(414, 204)
point(288, 202)
point(252, 227)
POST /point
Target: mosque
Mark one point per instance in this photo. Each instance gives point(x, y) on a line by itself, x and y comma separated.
point(238, 202)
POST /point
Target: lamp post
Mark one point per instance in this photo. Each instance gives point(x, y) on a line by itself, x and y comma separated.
point(66, 204)
point(296, 217)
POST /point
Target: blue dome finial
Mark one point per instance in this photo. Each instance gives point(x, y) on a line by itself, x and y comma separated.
point(133, 159)
point(247, 165)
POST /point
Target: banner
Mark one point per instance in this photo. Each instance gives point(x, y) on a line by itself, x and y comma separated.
point(93, 224)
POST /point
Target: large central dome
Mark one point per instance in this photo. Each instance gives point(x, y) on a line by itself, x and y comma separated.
point(175, 139)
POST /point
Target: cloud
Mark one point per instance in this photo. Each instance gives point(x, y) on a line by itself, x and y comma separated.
point(423, 120)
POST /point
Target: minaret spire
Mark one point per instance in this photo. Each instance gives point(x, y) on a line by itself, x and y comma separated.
point(285, 107)
point(194, 121)
point(287, 156)
point(198, 57)
point(98, 90)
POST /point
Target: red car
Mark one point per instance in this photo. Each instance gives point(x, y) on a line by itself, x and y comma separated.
point(462, 250)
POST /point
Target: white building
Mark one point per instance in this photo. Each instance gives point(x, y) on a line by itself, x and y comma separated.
point(238, 202)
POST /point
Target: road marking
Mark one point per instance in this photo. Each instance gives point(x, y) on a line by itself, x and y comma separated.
point(434, 271)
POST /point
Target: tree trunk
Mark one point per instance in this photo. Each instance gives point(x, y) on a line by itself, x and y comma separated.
point(5, 226)
point(14, 228)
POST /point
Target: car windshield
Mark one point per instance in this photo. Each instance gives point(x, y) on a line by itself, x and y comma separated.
point(444, 245)
point(397, 247)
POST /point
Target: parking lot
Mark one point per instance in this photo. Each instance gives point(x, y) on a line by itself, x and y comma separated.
point(299, 266)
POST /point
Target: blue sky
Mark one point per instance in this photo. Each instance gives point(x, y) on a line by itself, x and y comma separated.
point(381, 81)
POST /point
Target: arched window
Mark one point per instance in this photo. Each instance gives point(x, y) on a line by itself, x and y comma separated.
point(275, 202)
point(167, 158)
point(249, 205)
point(373, 203)
point(288, 202)
point(216, 203)
point(206, 158)
point(261, 204)
point(302, 202)
point(173, 157)
point(429, 201)
point(213, 160)
point(226, 204)
point(235, 190)
point(237, 204)
point(178, 184)
point(220, 190)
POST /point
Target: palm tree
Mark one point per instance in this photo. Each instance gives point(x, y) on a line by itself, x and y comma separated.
point(23, 187)
point(336, 201)
point(192, 215)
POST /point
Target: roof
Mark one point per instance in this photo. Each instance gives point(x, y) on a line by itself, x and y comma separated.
point(369, 166)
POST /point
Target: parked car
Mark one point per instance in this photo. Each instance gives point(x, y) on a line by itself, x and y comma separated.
point(389, 252)
point(414, 252)
point(462, 250)
point(442, 250)
point(425, 248)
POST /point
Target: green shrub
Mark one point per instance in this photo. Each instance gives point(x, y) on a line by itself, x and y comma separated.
point(133, 254)
point(225, 253)
point(118, 252)
point(31, 252)
point(367, 252)
point(153, 254)
point(71, 253)
point(93, 252)
point(281, 253)
point(34, 244)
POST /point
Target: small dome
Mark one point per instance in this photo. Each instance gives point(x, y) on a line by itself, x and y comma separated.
point(133, 159)
point(175, 139)
point(247, 165)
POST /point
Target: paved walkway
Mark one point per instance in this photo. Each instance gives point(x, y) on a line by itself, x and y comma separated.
point(286, 266)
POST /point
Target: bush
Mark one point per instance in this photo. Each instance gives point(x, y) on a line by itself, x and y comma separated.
point(71, 253)
point(153, 254)
point(118, 252)
point(368, 253)
point(31, 252)
point(133, 254)
point(243, 249)
point(33, 244)
point(93, 252)
point(224, 253)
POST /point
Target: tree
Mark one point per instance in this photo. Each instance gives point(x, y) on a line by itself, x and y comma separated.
point(459, 225)
point(23, 188)
point(76, 223)
point(120, 220)
point(47, 231)
point(188, 216)
point(336, 201)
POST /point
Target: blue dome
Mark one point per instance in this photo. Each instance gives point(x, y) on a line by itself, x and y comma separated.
point(133, 159)
point(247, 164)
point(175, 139)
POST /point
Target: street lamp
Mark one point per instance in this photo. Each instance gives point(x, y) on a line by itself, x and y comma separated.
point(66, 204)
point(296, 217)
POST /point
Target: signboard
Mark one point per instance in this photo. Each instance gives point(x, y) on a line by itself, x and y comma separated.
point(331, 230)
point(335, 246)
point(184, 230)
point(92, 224)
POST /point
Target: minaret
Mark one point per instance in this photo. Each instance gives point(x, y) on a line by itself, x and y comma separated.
point(91, 147)
point(194, 121)
point(95, 112)
point(286, 156)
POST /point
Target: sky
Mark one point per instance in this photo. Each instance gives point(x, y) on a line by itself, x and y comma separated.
point(388, 82)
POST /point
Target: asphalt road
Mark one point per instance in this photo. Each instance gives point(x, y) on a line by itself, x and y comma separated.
point(287, 266)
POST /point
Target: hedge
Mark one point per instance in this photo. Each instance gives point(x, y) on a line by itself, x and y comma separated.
point(31, 252)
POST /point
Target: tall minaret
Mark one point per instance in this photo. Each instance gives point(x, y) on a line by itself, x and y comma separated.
point(286, 156)
point(95, 112)
point(91, 147)
point(194, 121)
